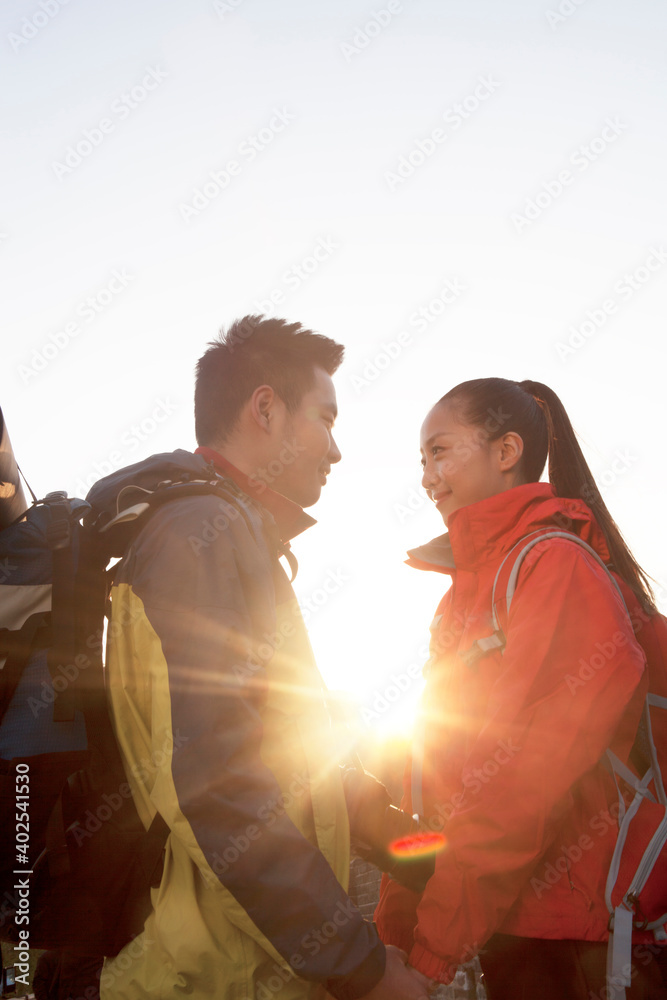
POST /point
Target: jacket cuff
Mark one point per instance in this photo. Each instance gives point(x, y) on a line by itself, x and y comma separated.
point(399, 937)
point(431, 965)
point(363, 979)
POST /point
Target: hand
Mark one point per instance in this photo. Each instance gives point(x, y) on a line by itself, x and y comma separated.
point(428, 984)
point(367, 800)
point(399, 982)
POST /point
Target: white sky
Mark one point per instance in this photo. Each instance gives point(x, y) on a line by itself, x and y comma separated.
point(220, 71)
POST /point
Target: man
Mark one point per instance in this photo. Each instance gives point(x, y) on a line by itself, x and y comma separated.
point(220, 711)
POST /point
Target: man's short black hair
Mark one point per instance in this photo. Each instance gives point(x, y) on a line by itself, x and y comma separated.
point(257, 351)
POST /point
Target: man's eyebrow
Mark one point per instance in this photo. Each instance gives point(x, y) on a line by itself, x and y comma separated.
point(332, 408)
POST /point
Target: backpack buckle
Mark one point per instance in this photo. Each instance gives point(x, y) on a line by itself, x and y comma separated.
point(640, 920)
point(482, 647)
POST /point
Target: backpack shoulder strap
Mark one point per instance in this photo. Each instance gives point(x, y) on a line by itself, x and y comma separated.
point(504, 587)
point(59, 537)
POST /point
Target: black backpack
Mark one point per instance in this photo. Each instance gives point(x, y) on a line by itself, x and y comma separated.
point(76, 863)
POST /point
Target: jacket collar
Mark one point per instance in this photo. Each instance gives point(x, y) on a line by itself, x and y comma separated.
point(290, 518)
point(485, 531)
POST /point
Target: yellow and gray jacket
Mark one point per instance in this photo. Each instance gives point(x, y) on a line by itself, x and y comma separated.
point(221, 717)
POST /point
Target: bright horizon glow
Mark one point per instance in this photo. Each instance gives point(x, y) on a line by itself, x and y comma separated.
point(351, 218)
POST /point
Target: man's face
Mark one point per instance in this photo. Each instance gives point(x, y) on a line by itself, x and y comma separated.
point(307, 448)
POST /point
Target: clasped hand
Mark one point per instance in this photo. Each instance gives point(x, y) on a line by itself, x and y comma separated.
point(401, 981)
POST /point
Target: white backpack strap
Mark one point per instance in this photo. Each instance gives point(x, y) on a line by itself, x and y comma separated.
point(532, 540)
point(524, 545)
point(619, 953)
point(618, 850)
point(619, 949)
point(497, 640)
point(417, 775)
point(418, 738)
point(625, 819)
point(617, 767)
point(656, 701)
point(649, 858)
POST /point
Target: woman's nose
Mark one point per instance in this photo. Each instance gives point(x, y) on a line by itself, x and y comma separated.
point(428, 477)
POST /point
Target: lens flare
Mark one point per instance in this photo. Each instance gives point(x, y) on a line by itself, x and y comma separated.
point(416, 845)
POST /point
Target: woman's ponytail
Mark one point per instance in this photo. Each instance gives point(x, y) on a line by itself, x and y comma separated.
point(571, 476)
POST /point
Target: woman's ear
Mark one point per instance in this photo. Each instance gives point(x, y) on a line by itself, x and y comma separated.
point(510, 452)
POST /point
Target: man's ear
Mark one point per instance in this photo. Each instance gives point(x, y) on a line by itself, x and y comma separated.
point(262, 406)
point(510, 451)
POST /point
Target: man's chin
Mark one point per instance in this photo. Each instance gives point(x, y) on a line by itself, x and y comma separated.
point(309, 497)
point(302, 496)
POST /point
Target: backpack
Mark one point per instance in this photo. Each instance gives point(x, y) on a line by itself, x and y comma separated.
point(76, 863)
point(636, 887)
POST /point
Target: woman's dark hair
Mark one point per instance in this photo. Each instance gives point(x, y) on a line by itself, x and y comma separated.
point(256, 351)
point(534, 412)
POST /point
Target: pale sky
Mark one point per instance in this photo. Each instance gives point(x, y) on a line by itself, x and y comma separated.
point(451, 189)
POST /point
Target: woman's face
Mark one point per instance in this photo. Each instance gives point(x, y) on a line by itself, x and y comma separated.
point(461, 465)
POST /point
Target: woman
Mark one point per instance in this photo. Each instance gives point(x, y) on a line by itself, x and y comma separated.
point(508, 755)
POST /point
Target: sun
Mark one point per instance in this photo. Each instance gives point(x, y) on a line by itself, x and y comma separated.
point(392, 713)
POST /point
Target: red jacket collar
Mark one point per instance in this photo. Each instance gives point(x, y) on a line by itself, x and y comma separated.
point(289, 517)
point(484, 531)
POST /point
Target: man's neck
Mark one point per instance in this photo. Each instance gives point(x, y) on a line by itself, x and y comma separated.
point(239, 455)
point(289, 516)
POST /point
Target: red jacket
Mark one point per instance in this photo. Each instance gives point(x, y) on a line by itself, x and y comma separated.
point(511, 746)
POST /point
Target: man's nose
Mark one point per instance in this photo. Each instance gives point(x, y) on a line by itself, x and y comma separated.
point(334, 452)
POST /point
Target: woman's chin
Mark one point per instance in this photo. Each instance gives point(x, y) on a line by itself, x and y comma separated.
point(444, 509)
